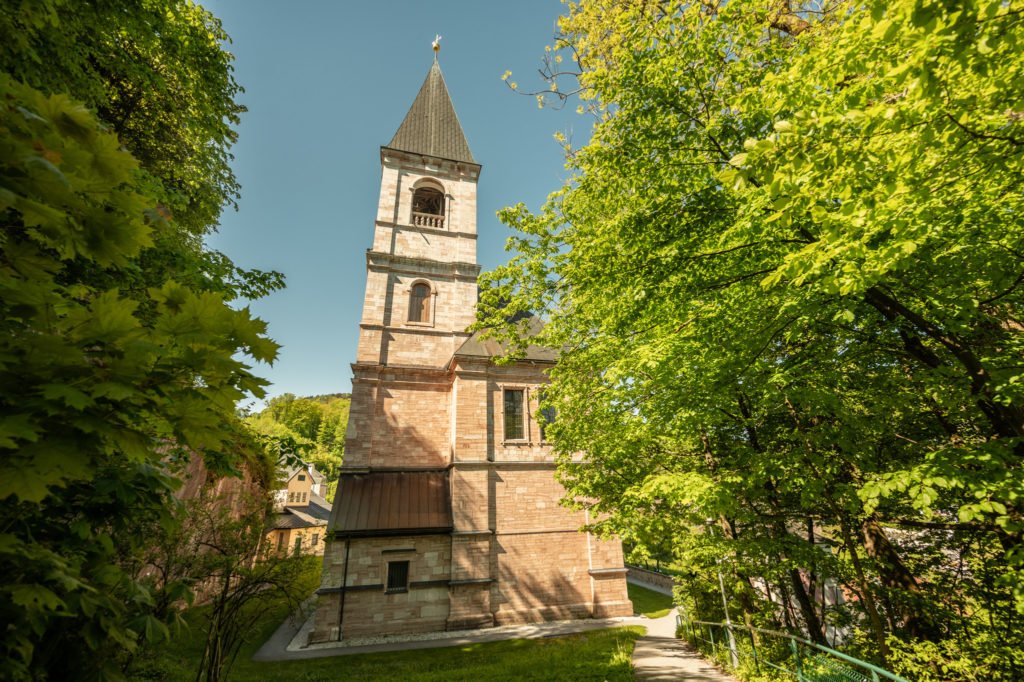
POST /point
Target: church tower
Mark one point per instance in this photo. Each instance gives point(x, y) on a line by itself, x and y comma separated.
point(446, 514)
point(420, 286)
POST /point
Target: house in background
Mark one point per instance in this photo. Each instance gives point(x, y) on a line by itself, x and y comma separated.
point(300, 523)
point(301, 481)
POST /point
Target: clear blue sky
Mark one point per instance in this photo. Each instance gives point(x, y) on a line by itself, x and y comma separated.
point(327, 83)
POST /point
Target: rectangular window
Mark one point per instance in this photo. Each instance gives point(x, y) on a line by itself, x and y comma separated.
point(316, 540)
point(302, 477)
point(398, 576)
point(514, 414)
point(298, 545)
point(304, 497)
point(280, 542)
point(291, 497)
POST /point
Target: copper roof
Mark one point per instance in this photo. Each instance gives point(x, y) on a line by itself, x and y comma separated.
point(392, 503)
point(432, 127)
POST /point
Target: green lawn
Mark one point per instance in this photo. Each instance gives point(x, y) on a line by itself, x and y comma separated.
point(648, 602)
point(597, 655)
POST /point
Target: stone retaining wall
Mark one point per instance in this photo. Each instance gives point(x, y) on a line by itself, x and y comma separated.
point(652, 578)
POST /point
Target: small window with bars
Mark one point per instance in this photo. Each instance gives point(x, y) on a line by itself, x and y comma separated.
point(398, 576)
point(514, 414)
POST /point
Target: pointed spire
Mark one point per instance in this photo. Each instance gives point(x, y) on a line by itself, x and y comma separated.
point(432, 127)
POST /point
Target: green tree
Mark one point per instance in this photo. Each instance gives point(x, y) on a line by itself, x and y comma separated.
point(120, 359)
point(217, 545)
point(786, 278)
point(157, 74)
point(311, 428)
point(102, 392)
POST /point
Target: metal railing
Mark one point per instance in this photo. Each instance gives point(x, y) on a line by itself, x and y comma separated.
point(810, 662)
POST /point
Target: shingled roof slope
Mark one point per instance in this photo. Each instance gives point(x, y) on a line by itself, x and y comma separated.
point(432, 127)
point(476, 346)
point(311, 515)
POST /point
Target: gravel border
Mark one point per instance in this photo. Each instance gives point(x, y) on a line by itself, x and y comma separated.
point(501, 632)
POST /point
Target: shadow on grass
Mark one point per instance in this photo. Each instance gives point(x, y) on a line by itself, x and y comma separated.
point(648, 602)
point(594, 655)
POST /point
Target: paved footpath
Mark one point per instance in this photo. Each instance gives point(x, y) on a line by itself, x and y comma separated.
point(658, 654)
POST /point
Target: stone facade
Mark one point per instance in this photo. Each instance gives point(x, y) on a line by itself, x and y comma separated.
point(424, 399)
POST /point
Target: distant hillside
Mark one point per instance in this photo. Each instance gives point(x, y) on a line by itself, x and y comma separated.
point(325, 398)
point(312, 427)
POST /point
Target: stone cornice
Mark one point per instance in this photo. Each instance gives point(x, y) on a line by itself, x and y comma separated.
point(608, 571)
point(440, 231)
point(472, 373)
point(374, 373)
point(377, 260)
point(418, 330)
point(448, 168)
point(488, 464)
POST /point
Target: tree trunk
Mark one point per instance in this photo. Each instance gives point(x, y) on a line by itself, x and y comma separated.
point(814, 629)
point(869, 599)
point(787, 608)
point(895, 575)
point(1007, 421)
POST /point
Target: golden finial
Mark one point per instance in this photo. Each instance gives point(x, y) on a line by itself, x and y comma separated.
point(436, 44)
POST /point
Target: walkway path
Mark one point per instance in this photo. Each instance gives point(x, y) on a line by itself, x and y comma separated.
point(658, 654)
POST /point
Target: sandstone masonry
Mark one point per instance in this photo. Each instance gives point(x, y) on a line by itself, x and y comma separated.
point(447, 514)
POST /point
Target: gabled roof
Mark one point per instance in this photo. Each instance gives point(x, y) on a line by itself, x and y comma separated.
point(432, 127)
point(311, 515)
point(392, 503)
point(318, 507)
point(301, 468)
point(476, 346)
